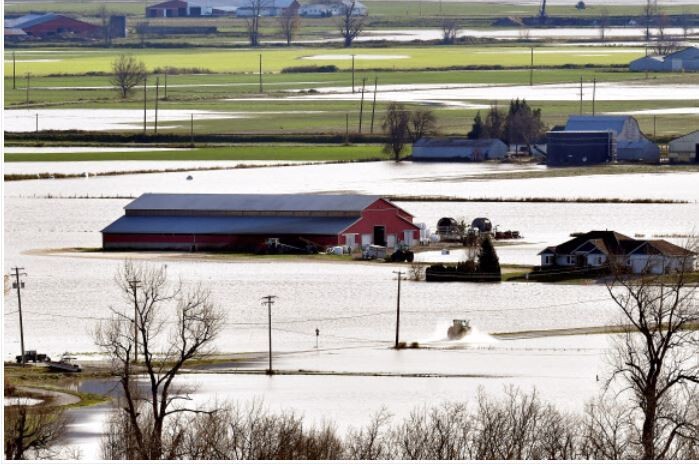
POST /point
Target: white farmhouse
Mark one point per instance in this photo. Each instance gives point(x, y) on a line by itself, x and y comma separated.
point(685, 149)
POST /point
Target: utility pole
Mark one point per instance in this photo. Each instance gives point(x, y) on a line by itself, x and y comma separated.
point(581, 95)
point(400, 277)
point(531, 68)
point(19, 285)
point(36, 122)
point(260, 73)
point(317, 335)
point(654, 121)
point(134, 284)
point(361, 105)
point(352, 73)
point(373, 106)
point(29, 77)
point(157, 85)
point(191, 129)
point(14, 71)
point(594, 94)
point(269, 301)
point(165, 76)
point(347, 129)
point(145, 104)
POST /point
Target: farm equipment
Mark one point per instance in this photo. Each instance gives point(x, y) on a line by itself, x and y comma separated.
point(401, 255)
point(32, 356)
point(459, 329)
point(374, 252)
point(66, 364)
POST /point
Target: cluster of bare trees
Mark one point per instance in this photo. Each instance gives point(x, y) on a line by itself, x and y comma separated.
point(32, 432)
point(403, 126)
point(649, 408)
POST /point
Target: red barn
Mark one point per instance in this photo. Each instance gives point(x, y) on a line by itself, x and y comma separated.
point(168, 9)
point(52, 25)
point(244, 222)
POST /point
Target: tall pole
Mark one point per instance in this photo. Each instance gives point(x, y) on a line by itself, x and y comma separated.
point(347, 128)
point(654, 121)
point(269, 301)
point(352, 73)
point(145, 103)
point(157, 85)
point(36, 122)
point(594, 94)
point(531, 68)
point(581, 95)
point(14, 71)
point(134, 286)
point(361, 105)
point(191, 129)
point(18, 285)
point(29, 77)
point(400, 277)
point(260, 73)
point(373, 105)
point(165, 85)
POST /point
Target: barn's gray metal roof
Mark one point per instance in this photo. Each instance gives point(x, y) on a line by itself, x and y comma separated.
point(596, 123)
point(250, 202)
point(236, 225)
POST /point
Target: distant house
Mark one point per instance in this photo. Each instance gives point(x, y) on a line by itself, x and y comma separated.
point(458, 149)
point(315, 10)
point(168, 9)
point(339, 8)
point(268, 8)
point(686, 59)
point(52, 25)
point(600, 139)
point(685, 149)
point(599, 249)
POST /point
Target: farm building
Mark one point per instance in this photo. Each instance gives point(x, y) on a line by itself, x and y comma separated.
point(686, 59)
point(168, 9)
point(600, 139)
point(685, 149)
point(458, 149)
point(245, 222)
point(599, 248)
point(52, 25)
point(270, 8)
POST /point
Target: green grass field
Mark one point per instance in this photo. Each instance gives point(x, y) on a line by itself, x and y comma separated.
point(82, 61)
point(228, 153)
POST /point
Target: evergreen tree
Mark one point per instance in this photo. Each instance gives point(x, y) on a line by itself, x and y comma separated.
point(477, 128)
point(494, 126)
point(488, 261)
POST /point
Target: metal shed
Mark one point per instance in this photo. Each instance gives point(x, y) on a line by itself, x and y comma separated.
point(685, 149)
point(458, 149)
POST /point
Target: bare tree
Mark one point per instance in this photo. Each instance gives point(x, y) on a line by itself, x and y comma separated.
point(150, 423)
point(450, 29)
point(422, 123)
point(252, 22)
point(650, 10)
point(664, 43)
point(289, 23)
point(685, 23)
point(32, 431)
point(603, 24)
point(395, 125)
point(655, 359)
point(127, 73)
point(103, 14)
point(351, 23)
point(141, 30)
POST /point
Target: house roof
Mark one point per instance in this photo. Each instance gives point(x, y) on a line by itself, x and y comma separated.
point(169, 4)
point(455, 142)
point(30, 20)
point(597, 123)
point(251, 202)
point(614, 243)
point(238, 225)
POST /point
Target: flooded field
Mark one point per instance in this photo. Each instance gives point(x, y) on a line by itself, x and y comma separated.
point(352, 304)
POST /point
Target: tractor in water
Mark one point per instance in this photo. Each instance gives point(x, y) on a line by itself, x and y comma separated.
point(459, 329)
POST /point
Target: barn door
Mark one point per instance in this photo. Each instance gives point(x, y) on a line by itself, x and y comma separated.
point(380, 235)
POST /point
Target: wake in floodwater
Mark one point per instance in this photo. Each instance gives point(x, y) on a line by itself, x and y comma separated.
point(475, 337)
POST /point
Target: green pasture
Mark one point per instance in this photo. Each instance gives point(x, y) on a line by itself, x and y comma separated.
point(82, 61)
point(228, 153)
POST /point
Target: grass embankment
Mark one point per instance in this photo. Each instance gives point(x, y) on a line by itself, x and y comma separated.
point(38, 376)
point(227, 153)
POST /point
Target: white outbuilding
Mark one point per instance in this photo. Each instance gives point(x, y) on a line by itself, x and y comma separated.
point(684, 149)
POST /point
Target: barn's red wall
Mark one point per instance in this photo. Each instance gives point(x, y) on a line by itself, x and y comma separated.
point(207, 242)
point(67, 25)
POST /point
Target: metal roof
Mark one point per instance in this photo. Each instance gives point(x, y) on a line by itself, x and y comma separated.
point(236, 225)
point(250, 202)
point(456, 142)
point(597, 123)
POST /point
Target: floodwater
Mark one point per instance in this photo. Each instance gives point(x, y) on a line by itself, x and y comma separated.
point(351, 304)
point(451, 94)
